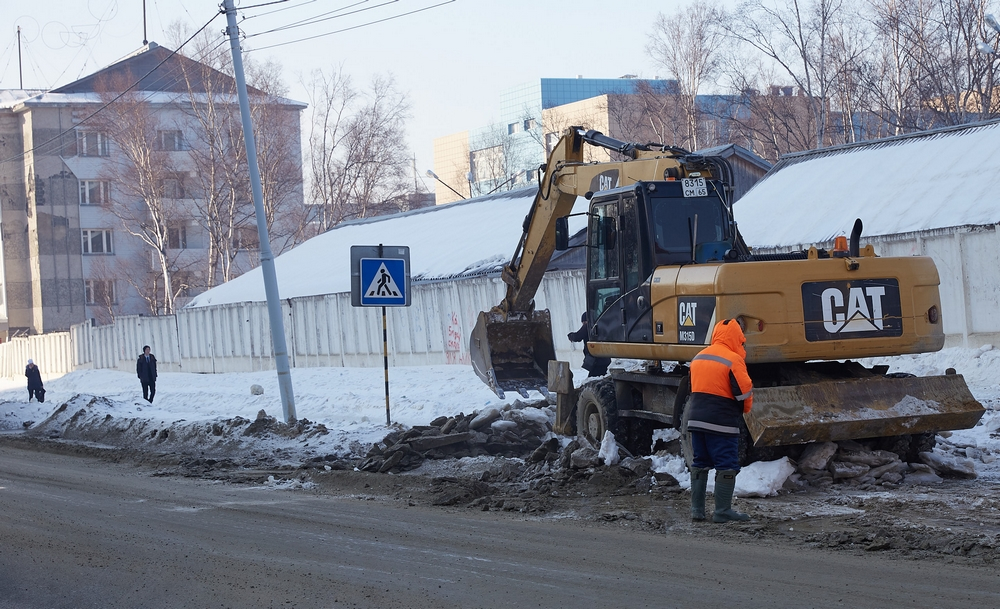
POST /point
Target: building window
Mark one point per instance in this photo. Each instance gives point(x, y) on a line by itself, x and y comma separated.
point(513, 128)
point(92, 143)
point(100, 291)
point(177, 238)
point(246, 238)
point(97, 241)
point(171, 188)
point(170, 140)
point(94, 192)
point(530, 124)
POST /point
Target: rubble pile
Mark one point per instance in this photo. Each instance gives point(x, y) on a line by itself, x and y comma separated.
point(823, 464)
point(515, 430)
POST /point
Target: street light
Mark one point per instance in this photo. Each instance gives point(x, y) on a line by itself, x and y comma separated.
point(431, 174)
point(995, 26)
point(993, 23)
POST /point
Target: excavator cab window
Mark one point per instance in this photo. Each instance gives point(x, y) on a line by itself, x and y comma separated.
point(688, 229)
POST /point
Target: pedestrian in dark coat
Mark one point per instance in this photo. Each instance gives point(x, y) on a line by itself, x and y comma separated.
point(35, 388)
point(145, 369)
point(595, 366)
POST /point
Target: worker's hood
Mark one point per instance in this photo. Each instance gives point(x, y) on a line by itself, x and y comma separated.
point(728, 334)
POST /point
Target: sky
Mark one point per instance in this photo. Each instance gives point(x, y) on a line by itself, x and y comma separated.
point(453, 58)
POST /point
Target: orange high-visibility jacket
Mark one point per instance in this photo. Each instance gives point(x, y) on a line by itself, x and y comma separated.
point(721, 389)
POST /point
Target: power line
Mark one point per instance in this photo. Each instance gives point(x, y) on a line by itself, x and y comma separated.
point(316, 19)
point(117, 97)
point(347, 29)
point(278, 10)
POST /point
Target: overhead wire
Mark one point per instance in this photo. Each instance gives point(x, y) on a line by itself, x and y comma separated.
point(347, 29)
point(278, 10)
point(117, 97)
point(317, 19)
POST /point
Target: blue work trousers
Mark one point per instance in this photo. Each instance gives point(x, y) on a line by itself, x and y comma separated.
point(715, 451)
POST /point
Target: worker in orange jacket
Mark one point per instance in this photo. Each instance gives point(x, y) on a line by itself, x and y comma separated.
point(721, 392)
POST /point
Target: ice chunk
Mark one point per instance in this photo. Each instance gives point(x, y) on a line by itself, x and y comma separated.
point(609, 449)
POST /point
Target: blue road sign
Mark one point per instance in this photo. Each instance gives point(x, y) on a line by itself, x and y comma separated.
point(383, 281)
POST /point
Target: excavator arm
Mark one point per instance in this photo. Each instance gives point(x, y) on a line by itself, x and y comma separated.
point(512, 343)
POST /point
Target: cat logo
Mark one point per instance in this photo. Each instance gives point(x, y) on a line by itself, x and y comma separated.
point(836, 310)
point(859, 316)
point(687, 313)
point(606, 180)
point(695, 318)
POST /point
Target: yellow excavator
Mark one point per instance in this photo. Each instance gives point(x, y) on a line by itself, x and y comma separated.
point(665, 262)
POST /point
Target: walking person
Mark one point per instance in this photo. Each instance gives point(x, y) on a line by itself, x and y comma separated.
point(145, 369)
point(595, 366)
point(721, 392)
point(35, 388)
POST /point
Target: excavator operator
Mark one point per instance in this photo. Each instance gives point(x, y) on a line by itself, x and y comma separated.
point(721, 392)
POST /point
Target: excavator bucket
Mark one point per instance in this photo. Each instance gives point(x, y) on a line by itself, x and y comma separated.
point(512, 353)
point(866, 408)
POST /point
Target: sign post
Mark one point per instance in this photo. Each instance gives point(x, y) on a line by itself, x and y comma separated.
point(380, 277)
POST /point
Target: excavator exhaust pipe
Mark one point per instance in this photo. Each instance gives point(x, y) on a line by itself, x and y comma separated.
point(868, 408)
point(512, 352)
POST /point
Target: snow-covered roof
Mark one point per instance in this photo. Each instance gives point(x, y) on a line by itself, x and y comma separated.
point(934, 179)
point(461, 239)
point(11, 97)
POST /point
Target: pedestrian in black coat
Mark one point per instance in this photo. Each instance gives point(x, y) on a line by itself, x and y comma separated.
point(595, 366)
point(145, 369)
point(35, 388)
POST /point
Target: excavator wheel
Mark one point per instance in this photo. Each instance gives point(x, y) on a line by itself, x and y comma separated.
point(597, 410)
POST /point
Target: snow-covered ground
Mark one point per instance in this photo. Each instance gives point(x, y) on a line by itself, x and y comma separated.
point(350, 403)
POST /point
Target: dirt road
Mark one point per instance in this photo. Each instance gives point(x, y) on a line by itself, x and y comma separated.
point(83, 532)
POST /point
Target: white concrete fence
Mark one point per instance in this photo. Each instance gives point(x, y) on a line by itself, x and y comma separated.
point(319, 330)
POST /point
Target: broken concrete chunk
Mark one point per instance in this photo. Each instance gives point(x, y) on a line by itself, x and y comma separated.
point(894, 467)
point(484, 418)
point(949, 466)
point(501, 426)
point(817, 455)
point(583, 457)
point(871, 458)
point(841, 470)
point(428, 442)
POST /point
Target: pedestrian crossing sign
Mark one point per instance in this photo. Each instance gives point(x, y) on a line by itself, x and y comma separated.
point(384, 282)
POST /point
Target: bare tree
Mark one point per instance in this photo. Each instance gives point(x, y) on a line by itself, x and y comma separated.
point(359, 166)
point(225, 203)
point(797, 35)
point(148, 180)
point(686, 44)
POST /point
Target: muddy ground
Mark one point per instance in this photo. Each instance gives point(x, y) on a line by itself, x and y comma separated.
point(954, 521)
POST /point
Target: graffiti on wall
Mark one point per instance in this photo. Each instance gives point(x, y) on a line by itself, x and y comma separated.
point(453, 342)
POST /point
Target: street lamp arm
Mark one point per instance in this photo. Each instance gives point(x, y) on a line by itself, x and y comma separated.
point(431, 174)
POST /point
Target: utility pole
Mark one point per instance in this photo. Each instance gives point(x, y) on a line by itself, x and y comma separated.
point(266, 257)
point(20, 72)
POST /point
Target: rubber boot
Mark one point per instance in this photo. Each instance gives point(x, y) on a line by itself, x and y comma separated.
point(699, 482)
point(725, 484)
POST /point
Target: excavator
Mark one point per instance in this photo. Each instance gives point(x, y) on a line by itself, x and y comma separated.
point(665, 262)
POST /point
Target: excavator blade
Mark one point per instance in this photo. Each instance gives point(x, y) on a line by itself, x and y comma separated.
point(866, 408)
point(512, 352)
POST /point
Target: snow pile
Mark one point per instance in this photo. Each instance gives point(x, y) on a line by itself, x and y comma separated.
point(763, 478)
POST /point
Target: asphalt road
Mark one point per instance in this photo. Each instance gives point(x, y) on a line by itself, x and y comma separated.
point(79, 532)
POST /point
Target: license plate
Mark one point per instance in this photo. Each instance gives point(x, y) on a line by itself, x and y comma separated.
point(694, 187)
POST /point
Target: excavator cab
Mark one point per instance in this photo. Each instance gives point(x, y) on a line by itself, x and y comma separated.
point(661, 223)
